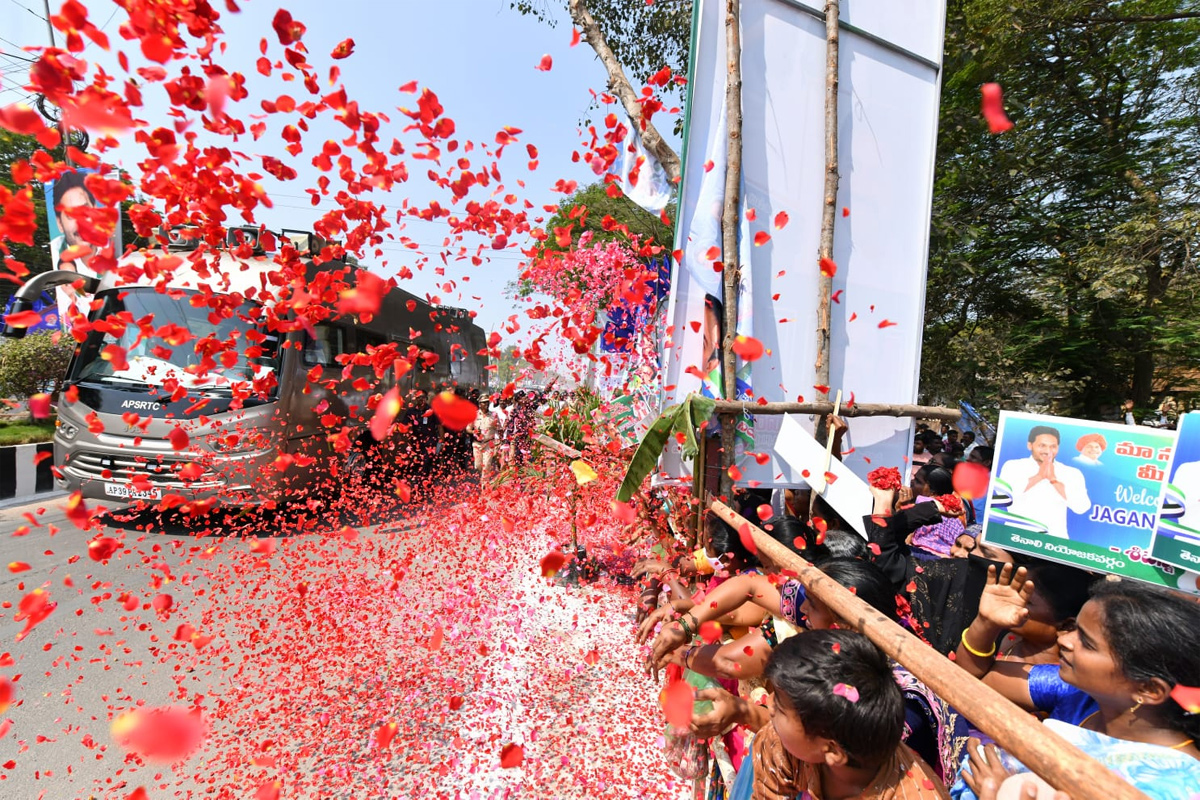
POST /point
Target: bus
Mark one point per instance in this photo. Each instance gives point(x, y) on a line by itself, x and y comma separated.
point(213, 408)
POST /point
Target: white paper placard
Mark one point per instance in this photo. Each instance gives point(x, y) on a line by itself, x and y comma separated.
point(849, 495)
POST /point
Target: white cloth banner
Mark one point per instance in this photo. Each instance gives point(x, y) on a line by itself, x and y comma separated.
point(888, 113)
point(652, 188)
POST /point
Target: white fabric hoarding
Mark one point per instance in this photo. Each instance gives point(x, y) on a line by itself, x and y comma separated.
point(888, 108)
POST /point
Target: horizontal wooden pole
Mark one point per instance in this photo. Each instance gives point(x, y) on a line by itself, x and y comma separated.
point(1063, 765)
point(856, 410)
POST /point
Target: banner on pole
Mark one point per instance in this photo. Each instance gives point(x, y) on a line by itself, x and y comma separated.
point(1083, 493)
point(74, 217)
point(888, 113)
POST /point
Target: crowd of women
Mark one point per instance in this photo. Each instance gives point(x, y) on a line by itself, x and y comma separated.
point(791, 704)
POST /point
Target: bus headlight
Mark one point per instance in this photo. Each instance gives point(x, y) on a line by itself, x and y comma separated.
point(67, 430)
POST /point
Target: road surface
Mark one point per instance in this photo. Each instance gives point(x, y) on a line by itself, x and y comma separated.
point(399, 659)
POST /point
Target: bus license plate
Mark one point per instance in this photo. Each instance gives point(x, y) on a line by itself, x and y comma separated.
point(126, 491)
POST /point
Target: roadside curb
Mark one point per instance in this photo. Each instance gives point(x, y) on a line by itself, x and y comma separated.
point(22, 475)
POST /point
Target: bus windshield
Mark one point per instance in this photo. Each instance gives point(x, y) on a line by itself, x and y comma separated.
point(194, 346)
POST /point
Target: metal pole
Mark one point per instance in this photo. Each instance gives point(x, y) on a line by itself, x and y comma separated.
point(49, 27)
point(63, 131)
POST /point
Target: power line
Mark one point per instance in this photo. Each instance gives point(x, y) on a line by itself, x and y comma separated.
point(16, 57)
point(30, 10)
point(102, 27)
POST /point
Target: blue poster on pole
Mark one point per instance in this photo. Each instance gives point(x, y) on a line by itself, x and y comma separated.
point(1081, 492)
point(75, 218)
point(1177, 536)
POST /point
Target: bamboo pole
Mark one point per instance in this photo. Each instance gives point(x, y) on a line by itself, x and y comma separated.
point(699, 484)
point(825, 248)
point(729, 233)
point(1063, 765)
point(856, 410)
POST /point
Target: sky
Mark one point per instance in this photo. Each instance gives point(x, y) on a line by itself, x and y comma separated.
point(478, 56)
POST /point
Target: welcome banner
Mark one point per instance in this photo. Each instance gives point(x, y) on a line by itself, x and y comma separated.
point(1083, 493)
point(1177, 533)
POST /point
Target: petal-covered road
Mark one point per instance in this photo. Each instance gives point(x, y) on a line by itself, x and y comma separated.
point(424, 659)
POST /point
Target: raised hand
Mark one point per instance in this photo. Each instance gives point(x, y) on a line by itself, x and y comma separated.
point(1005, 600)
point(669, 639)
point(648, 566)
point(985, 768)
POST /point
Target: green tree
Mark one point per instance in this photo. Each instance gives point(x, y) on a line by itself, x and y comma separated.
point(587, 209)
point(36, 363)
point(1061, 267)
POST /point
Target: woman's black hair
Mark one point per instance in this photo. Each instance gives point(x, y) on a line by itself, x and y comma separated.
point(790, 530)
point(807, 671)
point(867, 581)
point(845, 544)
point(821, 508)
point(724, 538)
point(1064, 588)
point(1154, 634)
point(939, 479)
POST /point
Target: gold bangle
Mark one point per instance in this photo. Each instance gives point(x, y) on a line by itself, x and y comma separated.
point(972, 650)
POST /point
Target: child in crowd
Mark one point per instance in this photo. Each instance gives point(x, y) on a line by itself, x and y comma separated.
point(836, 724)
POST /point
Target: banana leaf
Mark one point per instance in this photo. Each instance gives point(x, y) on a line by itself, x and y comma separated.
point(701, 409)
point(683, 418)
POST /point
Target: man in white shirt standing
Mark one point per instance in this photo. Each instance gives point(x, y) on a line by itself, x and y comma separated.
point(1042, 488)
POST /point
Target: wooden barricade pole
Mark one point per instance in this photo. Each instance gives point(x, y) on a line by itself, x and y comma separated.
point(1063, 765)
point(856, 410)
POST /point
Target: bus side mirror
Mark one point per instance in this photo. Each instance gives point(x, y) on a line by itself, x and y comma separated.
point(32, 289)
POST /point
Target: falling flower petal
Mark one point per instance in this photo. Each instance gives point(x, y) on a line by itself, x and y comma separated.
point(992, 106)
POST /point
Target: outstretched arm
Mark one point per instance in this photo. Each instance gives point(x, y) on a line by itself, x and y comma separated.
point(727, 597)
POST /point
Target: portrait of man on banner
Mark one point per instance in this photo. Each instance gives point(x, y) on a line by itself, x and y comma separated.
point(1043, 489)
point(69, 206)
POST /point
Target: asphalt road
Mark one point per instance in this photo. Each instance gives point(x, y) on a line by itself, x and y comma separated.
point(92, 657)
point(405, 659)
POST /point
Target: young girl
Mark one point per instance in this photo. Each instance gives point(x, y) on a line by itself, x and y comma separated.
point(836, 724)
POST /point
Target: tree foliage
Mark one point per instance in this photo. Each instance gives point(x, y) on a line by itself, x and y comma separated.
point(644, 36)
point(1061, 263)
point(590, 206)
point(589, 244)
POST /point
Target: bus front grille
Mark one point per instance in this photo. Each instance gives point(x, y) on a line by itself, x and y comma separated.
point(122, 469)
